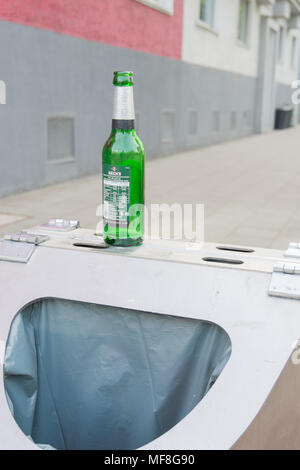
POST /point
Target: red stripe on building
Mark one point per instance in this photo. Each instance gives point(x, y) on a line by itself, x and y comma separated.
point(124, 23)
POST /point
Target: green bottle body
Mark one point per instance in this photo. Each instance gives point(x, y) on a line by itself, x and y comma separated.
point(123, 167)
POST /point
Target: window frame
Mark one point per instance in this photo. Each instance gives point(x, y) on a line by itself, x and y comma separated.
point(243, 38)
point(281, 43)
point(294, 50)
point(164, 6)
point(210, 21)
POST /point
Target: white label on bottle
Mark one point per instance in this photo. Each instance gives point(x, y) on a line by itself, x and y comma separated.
point(123, 103)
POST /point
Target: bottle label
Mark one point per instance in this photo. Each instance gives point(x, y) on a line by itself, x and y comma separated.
point(116, 195)
point(123, 103)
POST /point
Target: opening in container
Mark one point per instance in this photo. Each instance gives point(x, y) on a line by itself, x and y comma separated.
point(86, 376)
point(236, 249)
point(211, 259)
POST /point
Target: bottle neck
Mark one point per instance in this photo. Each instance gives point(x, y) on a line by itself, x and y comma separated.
point(123, 113)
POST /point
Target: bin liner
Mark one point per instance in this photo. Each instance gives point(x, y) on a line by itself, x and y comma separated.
point(85, 376)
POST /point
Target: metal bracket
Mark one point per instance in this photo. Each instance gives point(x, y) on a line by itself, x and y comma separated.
point(26, 237)
point(61, 225)
point(293, 250)
point(285, 281)
point(19, 252)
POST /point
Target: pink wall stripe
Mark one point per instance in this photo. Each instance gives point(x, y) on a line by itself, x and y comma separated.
point(124, 23)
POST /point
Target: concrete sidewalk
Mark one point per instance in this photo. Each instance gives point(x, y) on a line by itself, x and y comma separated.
point(250, 189)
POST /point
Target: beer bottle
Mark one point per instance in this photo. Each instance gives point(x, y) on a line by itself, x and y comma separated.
point(123, 171)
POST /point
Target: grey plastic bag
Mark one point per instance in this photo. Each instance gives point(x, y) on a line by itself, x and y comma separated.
point(85, 376)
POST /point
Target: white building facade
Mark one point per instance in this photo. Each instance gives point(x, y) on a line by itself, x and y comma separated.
point(257, 39)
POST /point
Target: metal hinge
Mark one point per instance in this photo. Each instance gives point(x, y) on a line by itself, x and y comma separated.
point(293, 250)
point(285, 281)
point(26, 237)
point(287, 268)
point(61, 225)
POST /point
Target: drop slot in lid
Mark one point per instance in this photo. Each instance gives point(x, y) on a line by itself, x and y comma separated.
point(236, 249)
point(223, 260)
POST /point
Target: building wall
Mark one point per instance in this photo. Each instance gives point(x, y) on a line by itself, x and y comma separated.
point(59, 86)
point(49, 75)
point(123, 23)
point(283, 94)
point(218, 47)
point(286, 72)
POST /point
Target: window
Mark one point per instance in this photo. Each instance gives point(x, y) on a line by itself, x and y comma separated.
point(243, 21)
point(207, 11)
point(294, 52)
point(60, 134)
point(166, 6)
point(280, 43)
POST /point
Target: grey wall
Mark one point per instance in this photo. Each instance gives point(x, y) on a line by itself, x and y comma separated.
point(283, 95)
point(48, 75)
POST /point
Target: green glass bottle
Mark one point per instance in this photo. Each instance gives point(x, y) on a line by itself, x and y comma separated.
point(123, 171)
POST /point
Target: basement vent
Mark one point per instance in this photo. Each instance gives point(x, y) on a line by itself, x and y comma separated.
point(60, 139)
point(193, 122)
point(247, 118)
point(233, 120)
point(216, 121)
point(167, 126)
